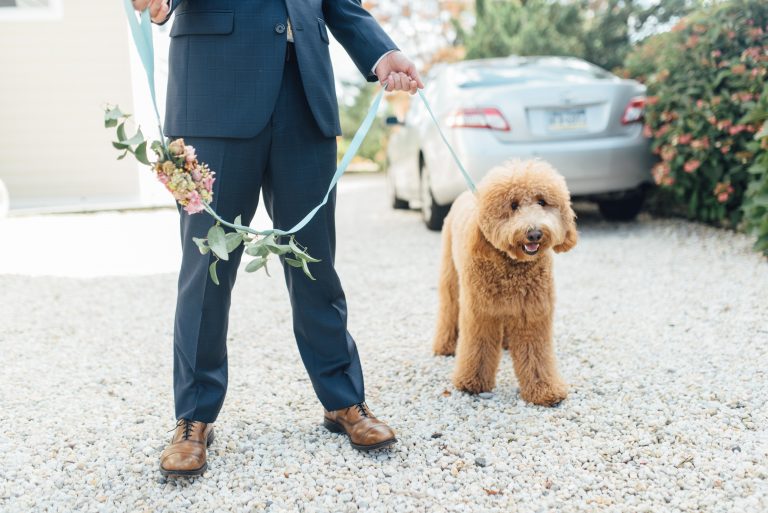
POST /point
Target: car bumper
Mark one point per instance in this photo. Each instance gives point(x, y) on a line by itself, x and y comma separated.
point(590, 166)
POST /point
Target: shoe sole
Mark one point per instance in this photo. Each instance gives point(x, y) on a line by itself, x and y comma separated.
point(335, 427)
point(190, 473)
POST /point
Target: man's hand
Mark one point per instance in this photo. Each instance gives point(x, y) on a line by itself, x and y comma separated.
point(158, 9)
point(398, 70)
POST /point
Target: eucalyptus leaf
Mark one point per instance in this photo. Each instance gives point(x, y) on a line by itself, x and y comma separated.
point(255, 264)
point(306, 270)
point(233, 240)
point(293, 262)
point(121, 157)
point(110, 123)
point(256, 249)
point(212, 271)
point(218, 242)
point(114, 113)
point(137, 138)
point(201, 245)
point(120, 146)
point(121, 132)
point(300, 253)
point(141, 153)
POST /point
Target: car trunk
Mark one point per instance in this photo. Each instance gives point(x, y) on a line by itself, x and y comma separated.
point(546, 111)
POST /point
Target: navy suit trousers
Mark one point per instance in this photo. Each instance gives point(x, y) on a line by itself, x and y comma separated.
point(292, 162)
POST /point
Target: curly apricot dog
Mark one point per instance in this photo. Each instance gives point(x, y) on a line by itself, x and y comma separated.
point(496, 284)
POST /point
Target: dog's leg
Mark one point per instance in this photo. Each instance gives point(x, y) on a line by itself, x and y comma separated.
point(447, 330)
point(479, 350)
point(534, 360)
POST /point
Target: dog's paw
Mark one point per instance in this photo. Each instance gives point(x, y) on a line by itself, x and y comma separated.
point(545, 394)
point(473, 384)
point(443, 349)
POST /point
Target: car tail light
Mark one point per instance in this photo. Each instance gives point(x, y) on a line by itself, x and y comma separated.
point(488, 117)
point(634, 111)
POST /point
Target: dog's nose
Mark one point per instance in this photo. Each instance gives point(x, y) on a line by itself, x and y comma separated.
point(534, 235)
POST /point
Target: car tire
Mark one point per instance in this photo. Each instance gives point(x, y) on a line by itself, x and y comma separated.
point(625, 208)
point(432, 212)
point(396, 202)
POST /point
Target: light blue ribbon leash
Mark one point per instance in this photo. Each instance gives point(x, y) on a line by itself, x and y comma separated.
point(142, 37)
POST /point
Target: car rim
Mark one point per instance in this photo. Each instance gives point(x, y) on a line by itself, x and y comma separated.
point(426, 194)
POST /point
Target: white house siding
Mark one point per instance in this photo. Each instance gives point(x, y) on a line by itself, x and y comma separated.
point(56, 74)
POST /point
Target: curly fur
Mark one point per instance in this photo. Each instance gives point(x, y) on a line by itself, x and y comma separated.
point(493, 294)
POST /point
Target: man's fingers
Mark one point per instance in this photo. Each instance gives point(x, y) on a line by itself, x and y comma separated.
point(414, 86)
point(140, 5)
point(158, 10)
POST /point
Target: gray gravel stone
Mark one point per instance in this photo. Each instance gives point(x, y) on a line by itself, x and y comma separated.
point(660, 330)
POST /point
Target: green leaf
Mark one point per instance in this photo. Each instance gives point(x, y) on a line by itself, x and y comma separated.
point(301, 254)
point(255, 264)
point(256, 249)
point(306, 270)
point(138, 138)
point(293, 262)
point(110, 123)
point(121, 132)
point(218, 242)
point(121, 157)
point(233, 240)
point(238, 220)
point(201, 245)
point(141, 153)
point(212, 271)
point(120, 146)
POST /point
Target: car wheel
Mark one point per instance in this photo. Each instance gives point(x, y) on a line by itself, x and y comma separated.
point(432, 212)
point(625, 208)
point(396, 202)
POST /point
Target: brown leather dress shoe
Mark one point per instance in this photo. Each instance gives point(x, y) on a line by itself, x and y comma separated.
point(365, 431)
point(186, 454)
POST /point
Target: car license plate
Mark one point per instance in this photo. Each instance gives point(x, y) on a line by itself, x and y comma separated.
point(567, 119)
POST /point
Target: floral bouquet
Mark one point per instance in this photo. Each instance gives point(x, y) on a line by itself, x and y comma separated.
point(191, 183)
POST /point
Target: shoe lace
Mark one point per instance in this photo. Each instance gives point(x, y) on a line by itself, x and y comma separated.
point(188, 426)
point(362, 408)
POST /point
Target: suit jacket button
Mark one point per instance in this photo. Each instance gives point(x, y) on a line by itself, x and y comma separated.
point(279, 28)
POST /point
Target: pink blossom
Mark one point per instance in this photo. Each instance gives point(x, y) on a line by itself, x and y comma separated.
point(691, 166)
point(189, 154)
point(684, 138)
point(194, 205)
point(196, 174)
point(207, 182)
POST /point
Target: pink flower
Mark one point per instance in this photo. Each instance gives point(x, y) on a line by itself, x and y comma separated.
point(736, 129)
point(189, 154)
point(725, 149)
point(691, 166)
point(194, 205)
point(647, 131)
point(700, 144)
point(207, 182)
point(716, 53)
point(684, 138)
point(196, 174)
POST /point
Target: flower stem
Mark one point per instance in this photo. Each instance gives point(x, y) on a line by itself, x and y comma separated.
point(225, 223)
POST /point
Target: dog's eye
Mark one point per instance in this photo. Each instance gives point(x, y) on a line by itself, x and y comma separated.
point(542, 203)
point(514, 205)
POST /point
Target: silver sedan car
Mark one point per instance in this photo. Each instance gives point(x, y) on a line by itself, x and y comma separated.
point(585, 121)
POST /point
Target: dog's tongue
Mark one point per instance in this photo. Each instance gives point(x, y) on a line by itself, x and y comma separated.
point(531, 247)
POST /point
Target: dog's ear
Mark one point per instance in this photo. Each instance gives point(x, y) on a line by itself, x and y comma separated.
point(571, 235)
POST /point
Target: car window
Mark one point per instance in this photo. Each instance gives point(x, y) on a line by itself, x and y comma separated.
point(524, 71)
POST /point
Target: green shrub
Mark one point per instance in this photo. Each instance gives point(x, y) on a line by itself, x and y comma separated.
point(710, 72)
point(756, 197)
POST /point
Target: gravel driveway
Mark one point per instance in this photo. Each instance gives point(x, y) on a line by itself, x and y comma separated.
point(660, 330)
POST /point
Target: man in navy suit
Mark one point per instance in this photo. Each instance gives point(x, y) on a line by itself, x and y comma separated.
point(251, 88)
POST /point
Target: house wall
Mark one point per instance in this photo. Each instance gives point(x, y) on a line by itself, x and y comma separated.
point(55, 77)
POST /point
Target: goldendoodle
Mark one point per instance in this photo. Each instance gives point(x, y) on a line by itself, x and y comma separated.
point(496, 284)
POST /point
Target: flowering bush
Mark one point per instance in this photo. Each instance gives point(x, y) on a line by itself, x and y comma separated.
point(709, 73)
point(191, 184)
point(756, 197)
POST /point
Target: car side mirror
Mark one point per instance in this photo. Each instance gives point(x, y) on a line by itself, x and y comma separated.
point(393, 121)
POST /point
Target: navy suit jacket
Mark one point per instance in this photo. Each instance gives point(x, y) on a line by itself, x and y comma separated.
point(227, 56)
